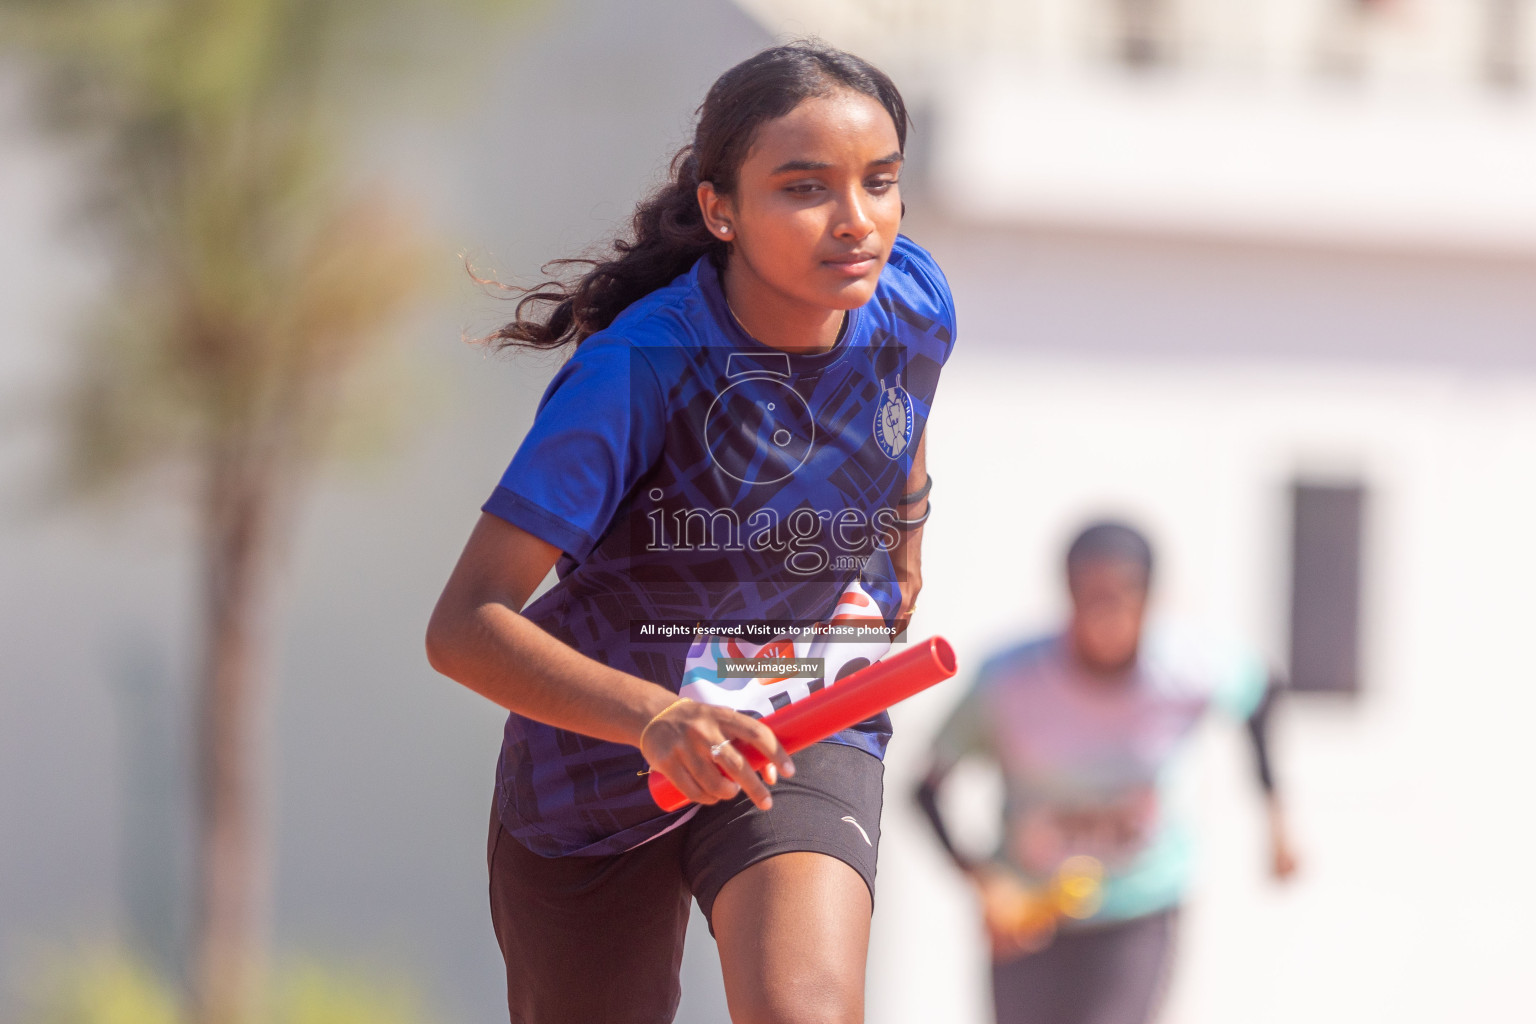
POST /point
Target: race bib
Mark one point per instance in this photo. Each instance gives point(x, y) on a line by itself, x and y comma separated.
point(759, 696)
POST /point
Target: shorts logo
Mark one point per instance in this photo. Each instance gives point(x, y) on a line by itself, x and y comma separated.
point(893, 420)
point(850, 820)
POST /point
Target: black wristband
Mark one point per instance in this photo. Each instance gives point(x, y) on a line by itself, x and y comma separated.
point(917, 495)
point(907, 524)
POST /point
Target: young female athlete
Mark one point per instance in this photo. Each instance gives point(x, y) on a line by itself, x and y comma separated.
point(736, 443)
point(1084, 724)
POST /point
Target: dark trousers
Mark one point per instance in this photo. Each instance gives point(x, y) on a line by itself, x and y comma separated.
point(1109, 974)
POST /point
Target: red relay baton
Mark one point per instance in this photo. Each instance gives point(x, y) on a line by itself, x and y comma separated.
point(845, 703)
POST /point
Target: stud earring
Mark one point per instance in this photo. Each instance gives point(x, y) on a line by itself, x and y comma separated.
point(725, 229)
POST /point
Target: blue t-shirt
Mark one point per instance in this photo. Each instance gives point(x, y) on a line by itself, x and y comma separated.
point(691, 474)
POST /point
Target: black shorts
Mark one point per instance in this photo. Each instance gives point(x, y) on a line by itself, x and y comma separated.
point(601, 938)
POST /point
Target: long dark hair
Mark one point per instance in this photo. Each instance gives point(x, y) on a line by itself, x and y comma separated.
point(669, 230)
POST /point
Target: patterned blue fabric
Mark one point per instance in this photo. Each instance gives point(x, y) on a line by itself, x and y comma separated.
point(691, 474)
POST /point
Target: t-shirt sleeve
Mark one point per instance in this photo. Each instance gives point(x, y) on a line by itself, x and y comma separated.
point(1241, 683)
point(599, 426)
point(939, 301)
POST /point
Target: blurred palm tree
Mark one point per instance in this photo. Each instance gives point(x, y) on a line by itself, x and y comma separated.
point(254, 278)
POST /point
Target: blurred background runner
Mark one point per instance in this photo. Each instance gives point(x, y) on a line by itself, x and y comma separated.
point(1081, 899)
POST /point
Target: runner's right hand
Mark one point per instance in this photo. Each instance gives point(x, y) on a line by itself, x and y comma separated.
point(1018, 919)
point(678, 743)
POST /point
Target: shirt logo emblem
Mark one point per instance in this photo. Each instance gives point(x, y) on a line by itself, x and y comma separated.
point(893, 420)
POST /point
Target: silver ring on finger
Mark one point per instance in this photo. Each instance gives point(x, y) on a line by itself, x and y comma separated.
point(714, 751)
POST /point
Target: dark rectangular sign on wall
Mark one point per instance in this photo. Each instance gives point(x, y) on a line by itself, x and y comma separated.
point(1327, 525)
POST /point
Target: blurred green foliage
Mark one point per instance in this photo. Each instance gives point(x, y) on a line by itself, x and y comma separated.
point(104, 986)
point(108, 985)
point(254, 271)
point(258, 267)
point(313, 993)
